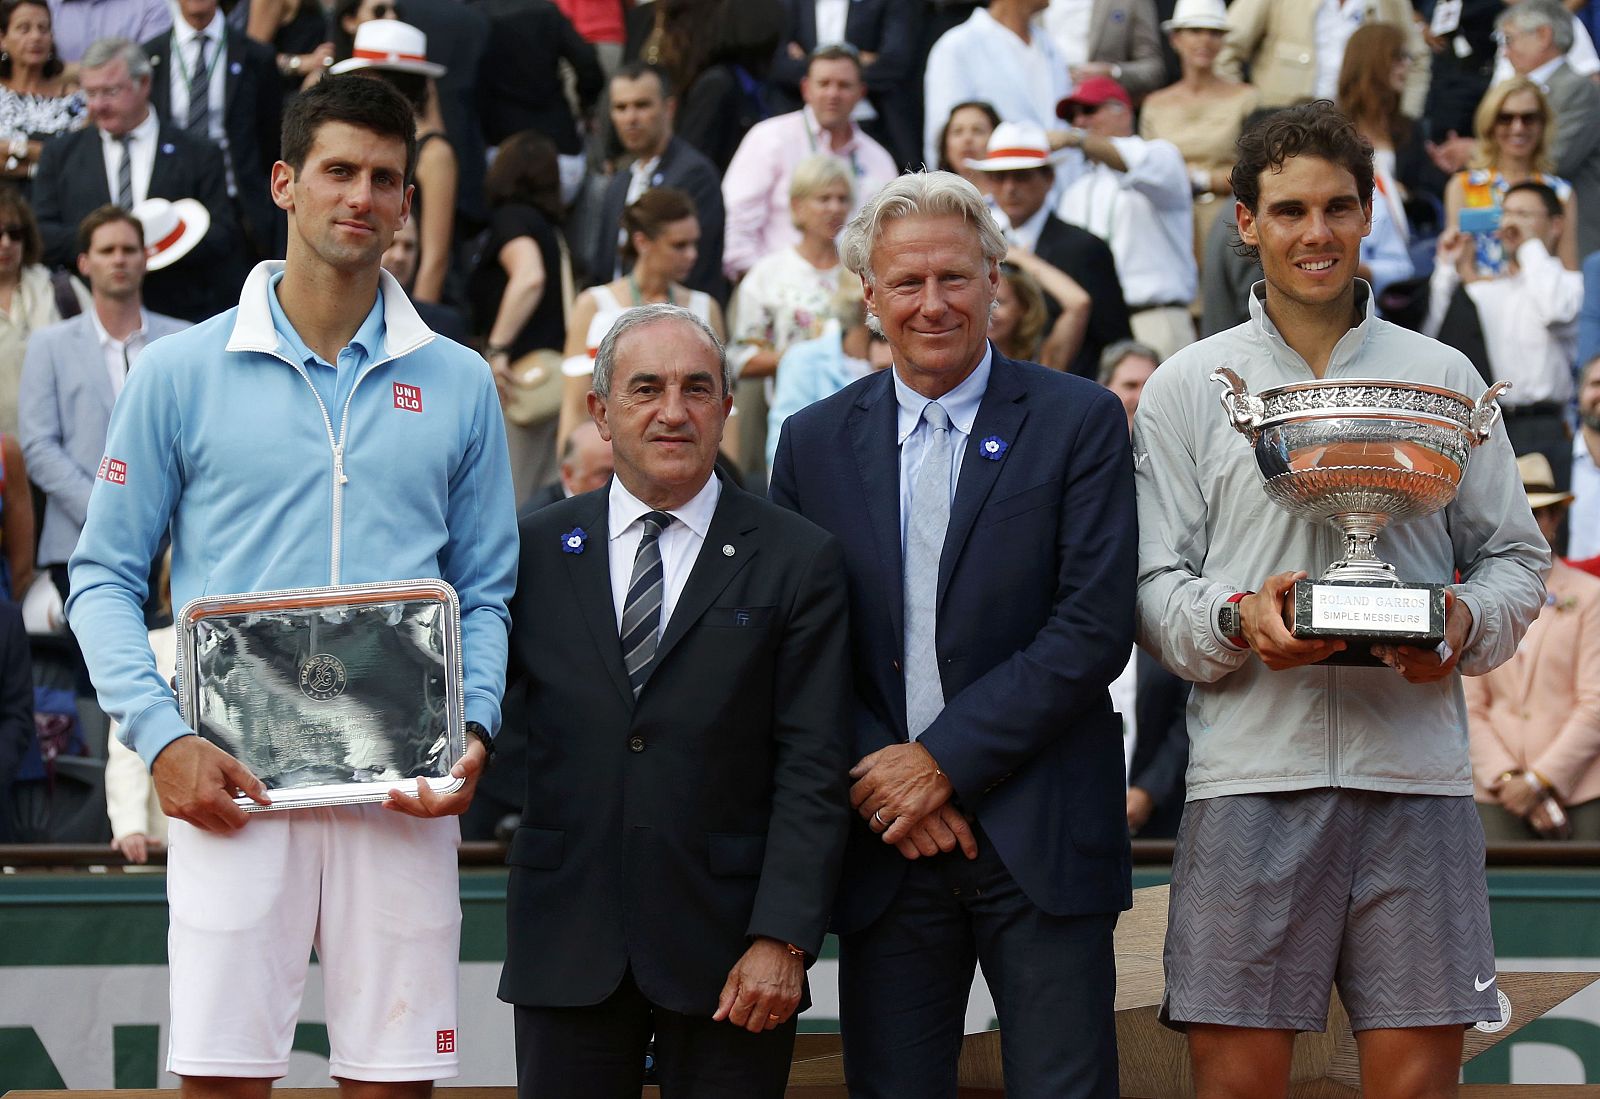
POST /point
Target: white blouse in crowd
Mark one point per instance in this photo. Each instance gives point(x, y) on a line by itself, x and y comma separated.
point(783, 300)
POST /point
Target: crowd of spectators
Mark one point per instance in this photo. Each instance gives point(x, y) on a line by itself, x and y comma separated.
point(579, 157)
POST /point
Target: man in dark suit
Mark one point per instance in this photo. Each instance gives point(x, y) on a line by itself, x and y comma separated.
point(988, 526)
point(642, 109)
point(458, 39)
point(886, 32)
point(680, 652)
point(239, 101)
point(125, 157)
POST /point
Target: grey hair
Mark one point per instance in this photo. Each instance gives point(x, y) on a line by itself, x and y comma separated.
point(1530, 15)
point(103, 51)
point(919, 194)
point(1112, 357)
point(640, 315)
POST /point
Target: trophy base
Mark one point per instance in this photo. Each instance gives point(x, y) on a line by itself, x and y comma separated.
point(1367, 614)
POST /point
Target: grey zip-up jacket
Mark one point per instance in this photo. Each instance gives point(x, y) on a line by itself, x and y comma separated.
point(1207, 530)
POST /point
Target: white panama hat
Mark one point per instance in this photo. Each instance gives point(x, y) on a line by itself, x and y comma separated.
point(171, 229)
point(392, 45)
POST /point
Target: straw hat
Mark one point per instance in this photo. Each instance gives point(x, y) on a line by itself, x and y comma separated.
point(1014, 146)
point(1539, 482)
point(171, 229)
point(391, 45)
point(1197, 15)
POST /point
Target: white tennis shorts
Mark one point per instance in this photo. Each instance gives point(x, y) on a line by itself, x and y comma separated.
point(375, 892)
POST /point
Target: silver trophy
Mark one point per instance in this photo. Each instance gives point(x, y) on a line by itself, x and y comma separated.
point(331, 695)
point(1360, 454)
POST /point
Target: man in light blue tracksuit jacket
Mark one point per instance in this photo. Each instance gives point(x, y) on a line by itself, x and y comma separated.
point(317, 434)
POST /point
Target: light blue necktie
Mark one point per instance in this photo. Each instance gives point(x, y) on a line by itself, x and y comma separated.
point(930, 517)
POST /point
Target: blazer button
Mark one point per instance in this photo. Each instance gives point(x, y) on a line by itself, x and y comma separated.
point(636, 744)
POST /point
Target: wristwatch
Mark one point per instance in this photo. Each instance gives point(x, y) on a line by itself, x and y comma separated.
point(1229, 622)
point(477, 731)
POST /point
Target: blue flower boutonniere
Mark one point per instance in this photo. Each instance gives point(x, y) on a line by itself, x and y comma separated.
point(993, 448)
point(168, 149)
point(573, 541)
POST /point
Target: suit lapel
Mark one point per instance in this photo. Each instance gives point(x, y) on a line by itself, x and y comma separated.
point(874, 435)
point(591, 581)
point(158, 187)
point(732, 524)
point(1000, 415)
point(92, 166)
point(232, 74)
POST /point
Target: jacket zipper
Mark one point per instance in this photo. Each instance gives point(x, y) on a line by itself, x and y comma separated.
point(336, 444)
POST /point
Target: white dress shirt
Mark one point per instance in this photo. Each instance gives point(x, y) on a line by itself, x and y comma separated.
point(119, 355)
point(1529, 320)
point(911, 431)
point(832, 15)
point(183, 64)
point(1337, 20)
point(1068, 24)
point(1146, 215)
point(981, 59)
point(1583, 520)
point(141, 147)
point(680, 543)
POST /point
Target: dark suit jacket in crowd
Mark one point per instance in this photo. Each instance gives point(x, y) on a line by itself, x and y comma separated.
point(1088, 260)
point(1161, 752)
point(661, 833)
point(16, 704)
point(889, 28)
point(458, 36)
point(686, 168)
point(1036, 588)
point(72, 182)
point(520, 86)
point(253, 98)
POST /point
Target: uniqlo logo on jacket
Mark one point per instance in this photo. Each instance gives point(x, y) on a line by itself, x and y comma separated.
point(409, 398)
point(113, 470)
point(446, 1038)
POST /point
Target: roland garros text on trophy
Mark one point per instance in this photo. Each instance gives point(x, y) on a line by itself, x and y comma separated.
point(1360, 454)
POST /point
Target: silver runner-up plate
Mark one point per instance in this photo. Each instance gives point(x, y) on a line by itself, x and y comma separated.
point(330, 696)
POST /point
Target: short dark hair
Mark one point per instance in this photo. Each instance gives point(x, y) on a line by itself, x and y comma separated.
point(13, 207)
point(1546, 193)
point(1316, 129)
point(837, 51)
point(525, 170)
point(52, 64)
point(358, 101)
point(652, 212)
point(638, 70)
point(102, 216)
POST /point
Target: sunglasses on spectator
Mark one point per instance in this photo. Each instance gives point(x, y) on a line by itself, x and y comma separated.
point(13, 232)
point(383, 11)
point(1084, 110)
point(1527, 118)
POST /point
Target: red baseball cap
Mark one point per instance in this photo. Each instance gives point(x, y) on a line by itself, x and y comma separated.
point(1092, 93)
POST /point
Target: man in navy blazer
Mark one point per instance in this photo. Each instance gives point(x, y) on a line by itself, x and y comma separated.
point(989, 781)
point(642, 109)
point(76, 172)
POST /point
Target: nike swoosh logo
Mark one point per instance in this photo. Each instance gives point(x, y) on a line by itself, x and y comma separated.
point(1481, 985)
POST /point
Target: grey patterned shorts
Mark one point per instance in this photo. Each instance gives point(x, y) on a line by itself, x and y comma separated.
point(1277, 896)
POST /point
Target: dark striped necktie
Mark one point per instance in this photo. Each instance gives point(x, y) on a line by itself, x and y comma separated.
point(641, 610)
point(125, 173)
point(199, 123)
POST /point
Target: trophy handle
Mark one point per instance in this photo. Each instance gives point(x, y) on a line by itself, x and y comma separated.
point(1486, 413)
point(1245, 412)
